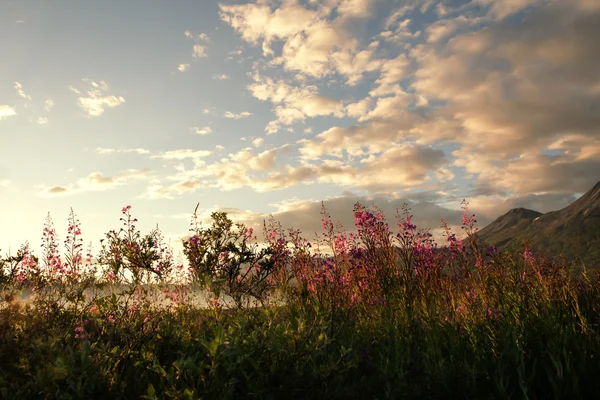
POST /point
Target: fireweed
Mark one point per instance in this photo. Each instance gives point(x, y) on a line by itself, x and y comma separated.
point(369, 314)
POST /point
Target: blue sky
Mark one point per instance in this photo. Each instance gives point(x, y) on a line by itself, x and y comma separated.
point(273, 106)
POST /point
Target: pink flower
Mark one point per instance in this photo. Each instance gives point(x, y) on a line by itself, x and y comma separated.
point(80, 332)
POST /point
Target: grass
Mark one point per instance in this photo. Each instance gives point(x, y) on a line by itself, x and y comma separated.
point(379, 316)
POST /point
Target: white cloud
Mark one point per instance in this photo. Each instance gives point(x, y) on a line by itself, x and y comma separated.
point(49, 105)
point(360, 108)
point(392, 72)
point(6, 111)
point(21, 92)
point(104, 151)
point(197, 37)
point(317, 40)
point(42, 120)
point(202, 131)
point(183, 67)
point(231, 115)
point(258, 142)
point(272, 127)
point(293, 103)
point(221, 77)
point(95, 182)
point(172, 191)
point(97, 98)
point(199, 51)
point(182, 154)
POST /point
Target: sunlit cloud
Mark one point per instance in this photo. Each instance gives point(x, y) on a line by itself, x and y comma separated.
point(232, 115)
point(96, 182)
point(199, 51)
point(106, 151)
point(202, 131)
point(96, 98)
point(197, 37)
point(6, 111)
point(49, 105)
point(21, 92)
point(182, 154)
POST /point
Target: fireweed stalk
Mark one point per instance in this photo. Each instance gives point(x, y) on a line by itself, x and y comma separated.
point(370, 313)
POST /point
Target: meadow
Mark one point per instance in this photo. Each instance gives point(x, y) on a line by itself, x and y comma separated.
point(380, 313)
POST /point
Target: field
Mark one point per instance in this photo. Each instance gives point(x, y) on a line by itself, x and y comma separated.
point(371, 314)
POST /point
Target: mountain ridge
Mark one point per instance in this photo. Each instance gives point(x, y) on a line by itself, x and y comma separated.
point(572, 232)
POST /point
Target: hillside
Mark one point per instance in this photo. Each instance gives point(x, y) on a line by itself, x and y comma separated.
point(573, 232)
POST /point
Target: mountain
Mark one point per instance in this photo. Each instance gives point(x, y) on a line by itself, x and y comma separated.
point(573, 232)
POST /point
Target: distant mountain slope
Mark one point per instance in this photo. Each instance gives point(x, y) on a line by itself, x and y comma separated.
point(573, 232)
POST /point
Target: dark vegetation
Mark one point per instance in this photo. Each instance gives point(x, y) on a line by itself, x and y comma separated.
point(572, 233)
point(379, 315)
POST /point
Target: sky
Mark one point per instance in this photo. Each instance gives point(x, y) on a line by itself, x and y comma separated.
point(270, 107)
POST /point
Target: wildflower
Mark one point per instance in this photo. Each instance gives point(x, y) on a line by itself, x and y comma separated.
point(80, 332)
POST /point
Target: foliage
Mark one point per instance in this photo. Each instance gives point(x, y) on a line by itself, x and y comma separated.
point(226, 260)
point(366, 314)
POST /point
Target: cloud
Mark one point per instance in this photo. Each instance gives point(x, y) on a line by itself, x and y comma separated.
point(234, 171)
point(105, 151)
point(57, 190)
point(199, 51)
point(42, 120)
point(221, 77)
point(172, 191)
point(515, 90)
point(272, 127)
point(360, 108)
point(21, 92)
point(397, 168)
point(202, 131)
point(183, 67)
point(258, 142)
point(198, 37)
point(317, 40)
point(392, 72)
point(182, 154)
point(49, 105)
point(96, 98)
point(95, 182)
point(293, 104)
point(500, 9)
point(231, 115)
point(6, 111)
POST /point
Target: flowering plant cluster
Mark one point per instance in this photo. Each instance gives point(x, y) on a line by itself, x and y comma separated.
point(370, 313)
point(226, 260)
